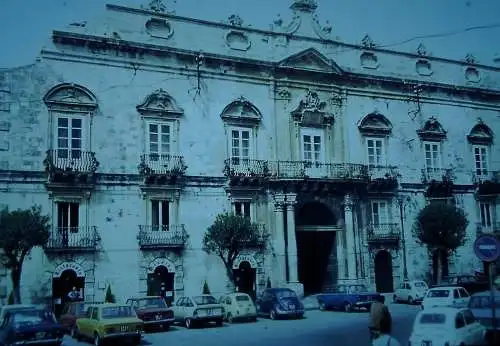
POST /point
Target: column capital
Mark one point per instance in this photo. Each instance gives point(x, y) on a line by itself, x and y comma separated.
point(291, 200)
point(279, 201)
point(348, 202)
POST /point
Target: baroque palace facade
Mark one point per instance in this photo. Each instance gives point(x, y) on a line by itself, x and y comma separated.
point(135, 130)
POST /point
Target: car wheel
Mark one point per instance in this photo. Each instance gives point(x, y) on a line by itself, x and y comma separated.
point(229, 317)
point(97, 340)
point(322, 306)
point(166, 327)
point(136, 340)
point(189, 323)
point(347, 307)
point(410, 300)
point(219, 323)
point(272, 315)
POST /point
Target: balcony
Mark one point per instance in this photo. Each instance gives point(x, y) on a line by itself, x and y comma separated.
point(162, 169)
point(389, 233)
point(383, 178)
point(162, 237)
point(493, 227)
point(317, 170)
point(261, 239)
point(487, 182)
point(70, 166)
point(73, 239)
point(439, 182)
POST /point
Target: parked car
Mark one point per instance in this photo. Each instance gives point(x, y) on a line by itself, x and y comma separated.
point(411, 292)
point(446, 296)
point(446, 326)
point(238, 306)
point(480, 305)
point(153, 311)
point(71, 312)
point(31, 326)
point(279, 302)
point(14, 307)
point(196, 310)
point(470, 282)
point(348, 298)
point(109, 322)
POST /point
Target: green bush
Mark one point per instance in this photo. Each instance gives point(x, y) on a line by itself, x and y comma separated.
point(268, 285)
point(110, 297)
point(206, 289)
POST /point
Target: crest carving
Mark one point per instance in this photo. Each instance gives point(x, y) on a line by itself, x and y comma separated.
point(160, 103)
point(312, 111)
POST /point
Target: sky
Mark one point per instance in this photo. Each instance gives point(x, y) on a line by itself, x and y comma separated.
point(447, 28)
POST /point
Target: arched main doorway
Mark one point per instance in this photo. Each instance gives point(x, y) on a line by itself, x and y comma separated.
point(64, 278)
point(384, 280)
point(439, 265)
point(161, 283)
point(245, 278)
point(316, 247)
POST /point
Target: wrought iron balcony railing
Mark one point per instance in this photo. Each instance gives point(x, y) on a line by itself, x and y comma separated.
point(73, 239)
point(437, 174)
point(480, 176)
point(158, 236)
point(319, 170)
point(383, 172)
point(261, 239)
point(492, 227)
point(237, 167)
point(383, 232)
point(70, 161)
point(162, 164)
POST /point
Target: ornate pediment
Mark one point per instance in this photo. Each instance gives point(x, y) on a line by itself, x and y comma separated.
point(69, 96)
point(432, 130)
point(310, 60)
point(160, 104)
point(312, 111)
point(375, 124)
point(241, 112)
point(480, 134)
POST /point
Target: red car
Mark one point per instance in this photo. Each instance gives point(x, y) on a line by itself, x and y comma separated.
point(71, 312)
point(153, 311)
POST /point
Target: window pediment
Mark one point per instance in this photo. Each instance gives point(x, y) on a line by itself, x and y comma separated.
point(160, 104)
point(241, 112)
point(375, 124)
point(432, 130)
point(480, 134)
point(69, 96)
point(312, 111)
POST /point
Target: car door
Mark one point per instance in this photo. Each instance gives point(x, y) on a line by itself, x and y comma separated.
point(260, 303)
point(92, 322)
point(83, 323)
point(399, 292)
point(464, 296)
point(189, 307)
point(475, 331)
point(461, 328)
point(457, 301)
point(228, 305)
point(178, 309)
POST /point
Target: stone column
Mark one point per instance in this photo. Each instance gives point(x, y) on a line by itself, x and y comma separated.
point(349, 234)
point(292, 242)
point(279, 239)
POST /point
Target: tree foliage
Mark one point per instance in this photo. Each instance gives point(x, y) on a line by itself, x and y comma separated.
point(109, 297)
point(441, 226)
point(20, 231)
point(229, 235)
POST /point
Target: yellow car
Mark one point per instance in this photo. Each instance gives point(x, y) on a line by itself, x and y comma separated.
point(109, 322)
point(238, 307)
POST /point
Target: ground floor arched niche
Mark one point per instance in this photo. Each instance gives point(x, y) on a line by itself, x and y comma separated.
point(66, 277)
point(161, 275)
point(316, 226)
point(245, 275)
point(384, 277)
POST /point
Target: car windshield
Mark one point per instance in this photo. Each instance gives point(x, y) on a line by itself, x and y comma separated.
point(242, 298)
point(285, 294)
point(438, 294)
point(151, 303)
point(483, 302)
point(204, 300)
point(420, 284)
point(80, 309)
point(432, 319)
point(117, 312)
point(30, 317)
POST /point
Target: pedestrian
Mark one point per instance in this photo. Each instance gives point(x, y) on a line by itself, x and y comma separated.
point(74, 295)
point(381, 324)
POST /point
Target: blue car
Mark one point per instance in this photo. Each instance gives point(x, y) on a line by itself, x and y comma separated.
point(278, 303)
point(347, 298)
point(35, 326)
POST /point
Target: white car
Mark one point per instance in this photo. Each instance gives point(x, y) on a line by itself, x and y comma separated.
point(411, 292)
point(202, 309)
point(446, 296)
point(446, 326)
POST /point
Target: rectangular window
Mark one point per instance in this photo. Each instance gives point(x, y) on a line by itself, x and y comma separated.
point(69, 137)
point(485, 214)
point(159, 139)
point(481, 160)
point(375, 149)
point(68, 217)
point(312, 146)
point(379, 213)
point(240, 146)
point(242, 209)
point(432, 156)
point(160, 215)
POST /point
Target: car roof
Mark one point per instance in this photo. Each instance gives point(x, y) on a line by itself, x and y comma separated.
point(145, 297)
point(485, 294)
point(234, 294)
point(18, 306)
point(442, 310)
point(108, 305)
point(444, 288)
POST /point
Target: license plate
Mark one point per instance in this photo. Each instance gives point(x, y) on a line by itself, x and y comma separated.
point(292, 306)
point(123, 328)
point(426, 343)
point(40, 335)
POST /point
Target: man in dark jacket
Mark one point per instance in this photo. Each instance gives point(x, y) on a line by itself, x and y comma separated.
point(380, 318)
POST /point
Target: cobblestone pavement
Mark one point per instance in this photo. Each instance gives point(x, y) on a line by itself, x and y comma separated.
point(318, 328)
